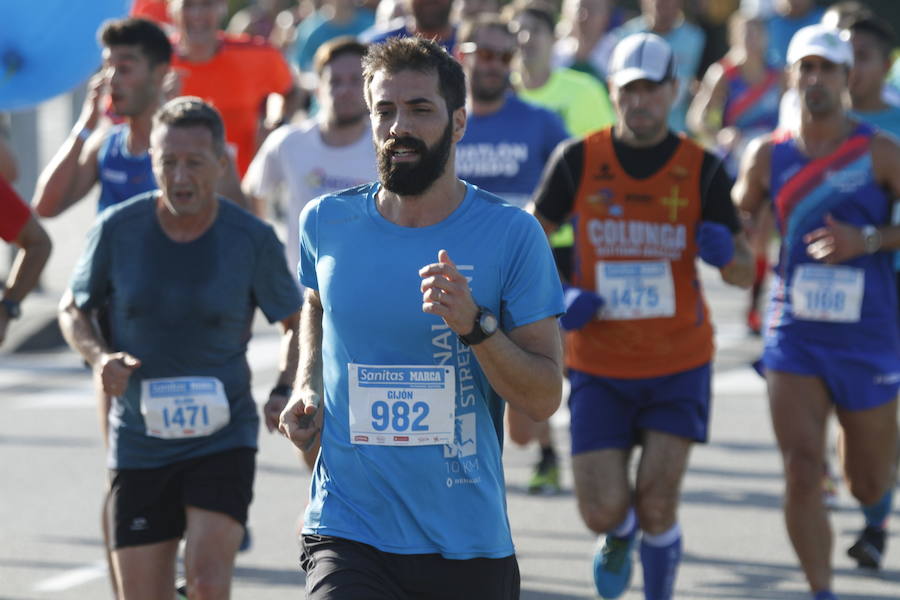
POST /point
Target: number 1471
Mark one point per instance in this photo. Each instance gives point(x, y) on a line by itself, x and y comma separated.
point(185, 416)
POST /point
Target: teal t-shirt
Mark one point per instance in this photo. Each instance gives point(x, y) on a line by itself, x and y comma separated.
point(185, 311)
point(446, 498)
point(886, 120)
point(316, 30)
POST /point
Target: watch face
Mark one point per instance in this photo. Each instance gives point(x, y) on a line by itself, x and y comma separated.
point(871, 239)
point(488, 323)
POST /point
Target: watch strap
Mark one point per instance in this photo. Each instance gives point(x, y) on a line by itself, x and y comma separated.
point(282, 389)
point(478, 334)
point(13, 310)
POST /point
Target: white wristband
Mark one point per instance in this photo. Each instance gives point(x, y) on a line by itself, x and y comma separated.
point(85, 133)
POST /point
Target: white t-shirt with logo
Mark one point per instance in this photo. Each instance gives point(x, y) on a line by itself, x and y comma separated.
point(294, 165)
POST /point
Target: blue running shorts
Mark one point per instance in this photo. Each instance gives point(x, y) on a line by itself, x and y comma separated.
point(856, 381)
point(612, 413)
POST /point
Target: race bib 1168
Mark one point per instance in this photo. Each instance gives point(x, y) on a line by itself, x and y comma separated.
point(827, 293)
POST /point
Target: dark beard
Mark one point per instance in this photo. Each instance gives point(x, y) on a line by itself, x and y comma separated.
point(348, 121)
point(487, 95)
point(413, 179)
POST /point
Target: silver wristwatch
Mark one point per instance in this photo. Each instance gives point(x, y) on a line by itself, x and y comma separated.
point(871, 239)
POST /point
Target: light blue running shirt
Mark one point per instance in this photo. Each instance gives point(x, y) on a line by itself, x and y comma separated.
point(447, 498)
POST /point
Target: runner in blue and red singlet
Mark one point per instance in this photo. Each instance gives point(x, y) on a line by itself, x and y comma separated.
point(832, 340)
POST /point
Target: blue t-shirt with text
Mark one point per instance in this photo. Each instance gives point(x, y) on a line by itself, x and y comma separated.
point(504, 153)
point(449, 498)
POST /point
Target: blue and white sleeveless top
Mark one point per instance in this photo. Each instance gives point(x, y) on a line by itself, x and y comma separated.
point(853, 304)
point(122, 175)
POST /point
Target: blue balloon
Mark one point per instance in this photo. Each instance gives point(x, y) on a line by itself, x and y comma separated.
point(47, 47)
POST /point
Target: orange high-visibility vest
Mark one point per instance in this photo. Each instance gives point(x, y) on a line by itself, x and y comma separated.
point(621, 221)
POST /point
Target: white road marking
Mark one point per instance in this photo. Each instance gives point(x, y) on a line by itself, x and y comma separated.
point(70, 398)
point(738, 381)
point(733, 335)
point(73, 577)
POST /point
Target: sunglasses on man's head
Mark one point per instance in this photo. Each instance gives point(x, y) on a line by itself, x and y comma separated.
point(487, 54)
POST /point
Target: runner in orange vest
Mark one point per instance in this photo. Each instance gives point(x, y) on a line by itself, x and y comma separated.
point(644, 204)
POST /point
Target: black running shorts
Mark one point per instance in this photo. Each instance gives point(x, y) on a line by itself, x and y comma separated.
point(148, 505)
point(337, 569)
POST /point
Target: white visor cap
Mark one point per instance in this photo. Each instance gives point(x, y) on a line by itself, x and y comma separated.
point(823, 41)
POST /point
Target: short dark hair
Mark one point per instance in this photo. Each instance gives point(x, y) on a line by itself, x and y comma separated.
point(469, 28)
point(539, 9)
point(146, 35)
point(879, 29)
point(330, 50)
point(846, 12)
point(418, 54)
point(190, 111)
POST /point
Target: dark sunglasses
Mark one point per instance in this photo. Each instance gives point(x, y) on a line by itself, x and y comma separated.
point(486, 54)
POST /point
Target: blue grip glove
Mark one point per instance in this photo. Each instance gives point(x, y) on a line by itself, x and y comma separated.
point(715, 243)
point(581, 307)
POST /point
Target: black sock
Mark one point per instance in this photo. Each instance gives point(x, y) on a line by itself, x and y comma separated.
point(548, 455)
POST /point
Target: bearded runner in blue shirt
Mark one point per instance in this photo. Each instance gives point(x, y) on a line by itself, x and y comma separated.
point(432, 303)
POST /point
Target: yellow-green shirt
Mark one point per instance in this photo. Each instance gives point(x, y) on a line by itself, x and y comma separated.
point(578, 98)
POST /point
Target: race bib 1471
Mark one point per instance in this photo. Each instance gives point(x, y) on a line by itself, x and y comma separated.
point(184, 407)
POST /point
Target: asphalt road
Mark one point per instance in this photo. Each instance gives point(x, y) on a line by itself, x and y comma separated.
point(735, 545)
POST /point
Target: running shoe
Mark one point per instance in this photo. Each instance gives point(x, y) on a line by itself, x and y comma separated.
point(754, 322)
point(869, 548)
point(612, 565)
point(545, 479)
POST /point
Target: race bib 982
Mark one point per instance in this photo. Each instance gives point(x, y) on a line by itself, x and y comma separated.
point(402, 405)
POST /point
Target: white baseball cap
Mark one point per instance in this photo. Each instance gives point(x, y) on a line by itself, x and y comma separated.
point(641, 56)
point(820, 40)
